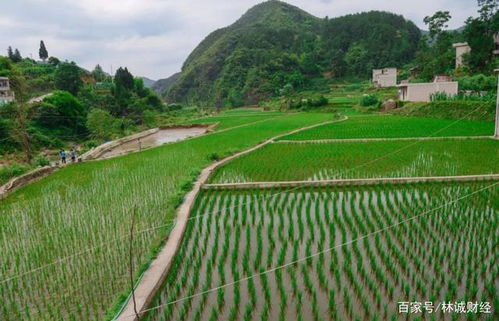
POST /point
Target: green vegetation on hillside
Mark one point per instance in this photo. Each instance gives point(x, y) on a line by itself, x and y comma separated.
point(65, 118)
point(276, 45)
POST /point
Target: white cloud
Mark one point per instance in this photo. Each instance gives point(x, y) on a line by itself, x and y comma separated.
point(154, 37)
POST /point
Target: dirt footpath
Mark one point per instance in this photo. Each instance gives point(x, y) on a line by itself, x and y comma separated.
point(155, 275)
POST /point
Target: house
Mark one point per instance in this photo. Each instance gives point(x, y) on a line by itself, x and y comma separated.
point(462, 48)
point(424, 91)
point(6, 95)
point(386, 77)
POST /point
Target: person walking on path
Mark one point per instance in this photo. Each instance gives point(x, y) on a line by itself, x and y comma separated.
point(72, 154)
point(62, 153)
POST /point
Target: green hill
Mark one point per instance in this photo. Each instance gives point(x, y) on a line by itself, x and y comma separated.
point(275, 44)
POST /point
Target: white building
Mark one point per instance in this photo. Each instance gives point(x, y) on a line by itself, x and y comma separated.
point(386, 77)
point(462, 48)
point(424, 91)
point(6, 95)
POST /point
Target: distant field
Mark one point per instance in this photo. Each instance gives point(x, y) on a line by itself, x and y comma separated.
point(350, 254)
point(315, 161)
point(236, 118)
point(386, 126)
point(64, 240)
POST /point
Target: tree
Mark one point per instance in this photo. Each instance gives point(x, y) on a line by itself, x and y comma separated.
point(357, 60)
point(124, 79)
point(437, 22)
point(479, 33)
point(99, 74)
point(20, 112)
point(487, 9)
point(62, 110)
point(16, 57)
point(54, 61)
point(101, 124)
point(10, 53)
point(68, 77)
point(42, 52)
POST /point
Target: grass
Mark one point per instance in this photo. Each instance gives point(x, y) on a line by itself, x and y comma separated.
point(319, 161)
point(387, 126)
point(437, 256)
point(82, 215)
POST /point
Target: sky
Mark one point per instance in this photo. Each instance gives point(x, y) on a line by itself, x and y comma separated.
point(154, 37)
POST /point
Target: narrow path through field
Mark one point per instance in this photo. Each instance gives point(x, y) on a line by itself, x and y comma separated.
point(355, 181)
point(155, 275)
point(365, 140)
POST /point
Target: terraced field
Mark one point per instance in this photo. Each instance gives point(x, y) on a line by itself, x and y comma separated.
point(325, 161)
point(334, 253)
point(387, 126)
point(229, 119)
point(64, 240)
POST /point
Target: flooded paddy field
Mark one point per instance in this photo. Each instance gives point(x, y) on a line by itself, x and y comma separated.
point(334, 253)
point(161, 137)
point(323, 161)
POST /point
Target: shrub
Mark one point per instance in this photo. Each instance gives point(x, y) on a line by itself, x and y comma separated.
point(369, 100)
point(478, 82)
point(101, 124)
point(13, 170)
point(41, 161)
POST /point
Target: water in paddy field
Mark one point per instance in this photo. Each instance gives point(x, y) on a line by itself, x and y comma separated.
point(163, 136)
point(236, 234)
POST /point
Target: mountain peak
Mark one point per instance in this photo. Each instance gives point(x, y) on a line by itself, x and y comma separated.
point(274, 12)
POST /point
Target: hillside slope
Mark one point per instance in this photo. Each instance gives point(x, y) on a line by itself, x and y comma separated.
point(275, 44)
point(161, 85)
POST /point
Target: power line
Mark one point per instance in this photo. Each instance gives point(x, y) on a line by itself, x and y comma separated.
point(88, 250)
point(317, 253)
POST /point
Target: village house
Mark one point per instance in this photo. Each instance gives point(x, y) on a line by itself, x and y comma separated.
point(386, 77)
point(462, 48)
point(424, 91)
point(6, 95)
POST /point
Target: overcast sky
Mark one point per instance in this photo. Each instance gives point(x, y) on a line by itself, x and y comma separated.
point(153, 37)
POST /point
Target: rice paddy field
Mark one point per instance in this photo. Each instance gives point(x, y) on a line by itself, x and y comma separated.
point(233, 118)
point(325, 161)
point(64, 240)
point(335, 253)
point(390, 126)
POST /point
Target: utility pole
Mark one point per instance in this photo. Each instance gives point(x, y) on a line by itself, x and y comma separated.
point(496, 134)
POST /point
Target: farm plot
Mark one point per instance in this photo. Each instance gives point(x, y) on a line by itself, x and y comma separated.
point(357, 252)
point(233, 119)
point(386, 126)
point(64, 240)
point(320, 161)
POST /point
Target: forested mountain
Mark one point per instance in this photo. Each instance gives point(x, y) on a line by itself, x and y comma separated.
point(148, 83)
point(161, 85)
point(276, 45)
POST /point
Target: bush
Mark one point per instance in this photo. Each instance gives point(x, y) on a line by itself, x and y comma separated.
point(469, 110)
point(478, 82)
point(41, 161)
point(174, 107)
point(369, 100)
point(101, 124)
point(13, 170)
